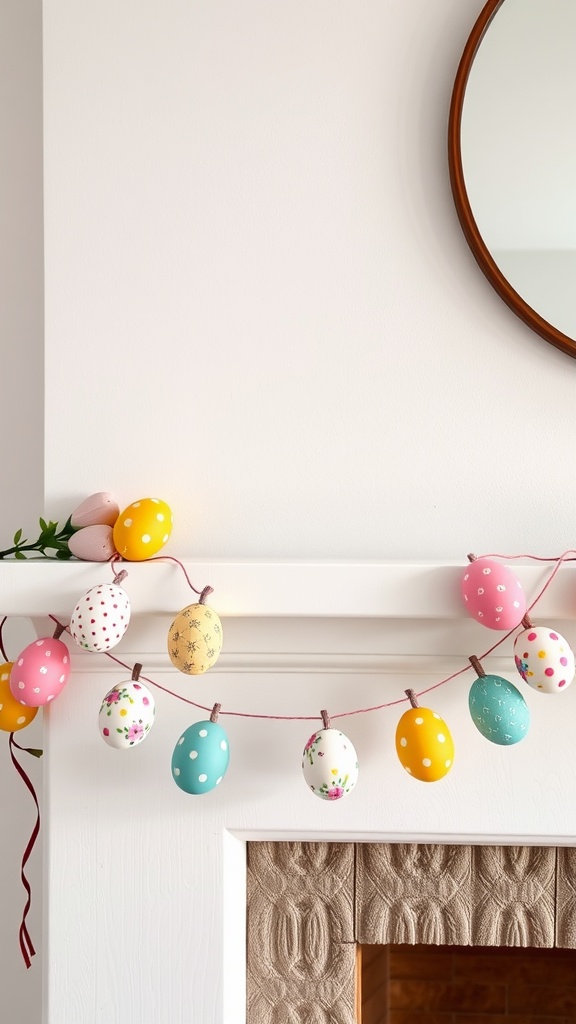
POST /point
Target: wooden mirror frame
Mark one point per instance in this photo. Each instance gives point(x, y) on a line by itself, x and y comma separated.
point(470, 228)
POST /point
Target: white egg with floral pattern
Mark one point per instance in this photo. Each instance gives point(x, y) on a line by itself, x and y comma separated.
point(329, 763)
point(126, 715)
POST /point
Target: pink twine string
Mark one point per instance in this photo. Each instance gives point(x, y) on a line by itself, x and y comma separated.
point(535, 558)
point(158, 558)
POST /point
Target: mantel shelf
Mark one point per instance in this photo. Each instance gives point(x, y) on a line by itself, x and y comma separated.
point(263, 589)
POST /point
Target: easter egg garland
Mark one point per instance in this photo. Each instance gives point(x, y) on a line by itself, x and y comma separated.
point(542, 656)
point(96, 531)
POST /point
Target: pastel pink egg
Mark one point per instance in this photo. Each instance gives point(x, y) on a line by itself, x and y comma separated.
point(493, 594)
point(93, 544)
point(40, 673)
point(97, 510)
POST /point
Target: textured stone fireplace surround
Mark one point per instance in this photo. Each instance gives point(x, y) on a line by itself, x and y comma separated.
point(310, 903)
point(145, 888)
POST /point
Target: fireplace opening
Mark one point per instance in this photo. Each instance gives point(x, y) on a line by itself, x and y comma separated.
point(424, 984)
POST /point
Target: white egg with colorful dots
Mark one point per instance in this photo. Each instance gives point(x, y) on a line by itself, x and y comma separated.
point(101, 618)
point(544, 659)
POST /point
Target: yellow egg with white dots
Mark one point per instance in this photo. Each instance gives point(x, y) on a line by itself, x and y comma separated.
point(424, 745)
point(142, 529)
point(13, 714)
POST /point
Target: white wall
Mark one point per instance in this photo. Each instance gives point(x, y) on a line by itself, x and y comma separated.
point(21, 449)
point(260, 305)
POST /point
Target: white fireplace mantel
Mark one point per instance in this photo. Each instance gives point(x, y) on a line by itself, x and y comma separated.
point(144, 886)
point(349, 589)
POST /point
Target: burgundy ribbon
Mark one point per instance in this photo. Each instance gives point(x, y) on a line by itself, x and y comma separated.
point(26, 945)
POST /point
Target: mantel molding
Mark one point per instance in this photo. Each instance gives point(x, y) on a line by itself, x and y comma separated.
point(263, 589)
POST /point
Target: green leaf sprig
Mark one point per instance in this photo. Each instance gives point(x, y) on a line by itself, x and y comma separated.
point(50, 539)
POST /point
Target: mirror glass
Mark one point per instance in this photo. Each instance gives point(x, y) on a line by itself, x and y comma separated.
point(516, 133)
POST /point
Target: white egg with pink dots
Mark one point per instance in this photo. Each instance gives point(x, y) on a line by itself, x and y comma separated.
point(493, 594)
point(40, 673)
point(101, 618)
point(544, 659)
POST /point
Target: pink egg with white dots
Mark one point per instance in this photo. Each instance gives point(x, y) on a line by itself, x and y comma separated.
point(40, 673)
point(101, 618)
point(544, 659)
point(493, 594)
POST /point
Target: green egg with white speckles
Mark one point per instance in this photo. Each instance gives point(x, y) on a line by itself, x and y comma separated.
point(200, 758)
point(498, 710)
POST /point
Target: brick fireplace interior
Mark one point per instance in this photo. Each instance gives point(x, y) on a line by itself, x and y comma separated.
point(422, 984)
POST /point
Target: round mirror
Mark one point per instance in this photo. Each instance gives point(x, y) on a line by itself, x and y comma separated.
point(512, 158)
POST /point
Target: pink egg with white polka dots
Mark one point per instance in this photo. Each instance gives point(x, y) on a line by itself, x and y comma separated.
point(40, 673)
point(544, 659)
point(493, 595)
point(101, 618)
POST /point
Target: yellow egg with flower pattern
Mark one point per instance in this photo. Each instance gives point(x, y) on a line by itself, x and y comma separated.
point(195, 639)
point(142, 529)
point(424, 745)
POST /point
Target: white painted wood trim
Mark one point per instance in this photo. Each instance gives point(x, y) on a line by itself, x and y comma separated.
point(426, 590)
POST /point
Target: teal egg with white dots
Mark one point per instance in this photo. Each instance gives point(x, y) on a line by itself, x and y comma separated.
point(200, 758)
point(498, 710)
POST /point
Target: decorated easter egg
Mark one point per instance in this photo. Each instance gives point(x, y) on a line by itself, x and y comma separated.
point(41, 672)
point(126, 715)
point(498, 710)
point(98, 509)
point(101, 617)
point(330, 764)
point(424, 745)
point(92, 544)
point(200, 758)
point(13, 714)
point(142, 529)
point(195, 639)
point(544, 659)
point(493, 595)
